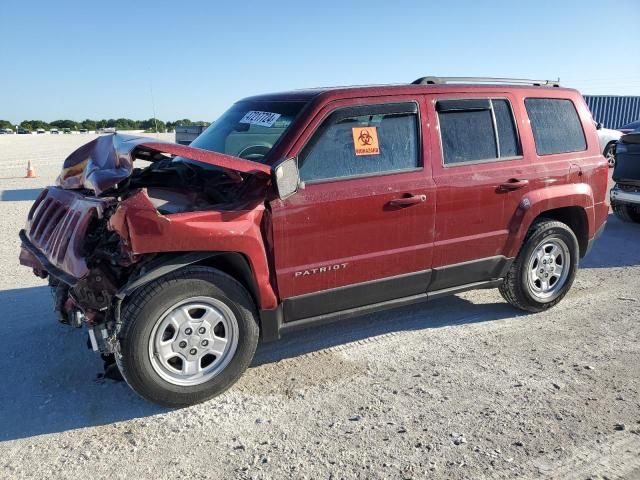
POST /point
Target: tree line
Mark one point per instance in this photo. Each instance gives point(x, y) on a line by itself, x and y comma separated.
point(150, 125)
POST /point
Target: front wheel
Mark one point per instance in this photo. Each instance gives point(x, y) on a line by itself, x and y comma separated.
point(187, 336)
point(545, 268)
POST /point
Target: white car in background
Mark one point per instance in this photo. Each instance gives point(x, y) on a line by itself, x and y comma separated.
point(608, 139)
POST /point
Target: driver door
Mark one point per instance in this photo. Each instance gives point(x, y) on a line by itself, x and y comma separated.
point(360, 230)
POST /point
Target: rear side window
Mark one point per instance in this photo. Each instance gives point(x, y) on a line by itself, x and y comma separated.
point(473, 130)
point(556, 126)
point(363, 141)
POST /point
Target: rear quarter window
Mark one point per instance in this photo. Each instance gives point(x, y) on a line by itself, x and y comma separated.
point(555, 125)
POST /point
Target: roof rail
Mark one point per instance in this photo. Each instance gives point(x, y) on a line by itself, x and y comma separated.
point(512, 81)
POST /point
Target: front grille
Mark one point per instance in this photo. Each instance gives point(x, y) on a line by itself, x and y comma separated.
point(57, 225)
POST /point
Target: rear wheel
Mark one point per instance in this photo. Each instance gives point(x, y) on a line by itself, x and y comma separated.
point(187, 337)
point(545, 268)
point(626, 212)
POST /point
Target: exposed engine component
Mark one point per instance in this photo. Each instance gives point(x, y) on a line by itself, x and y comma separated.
point(102, 338)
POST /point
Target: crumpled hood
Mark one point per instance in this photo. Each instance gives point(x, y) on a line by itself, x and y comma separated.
point(104, 162)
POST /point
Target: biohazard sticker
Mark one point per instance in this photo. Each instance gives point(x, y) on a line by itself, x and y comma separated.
point(365, 141)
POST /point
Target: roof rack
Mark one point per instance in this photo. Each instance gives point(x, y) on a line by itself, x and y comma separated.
point(512, 81)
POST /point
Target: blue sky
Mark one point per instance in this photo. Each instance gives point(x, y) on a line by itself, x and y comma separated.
point(97, 59)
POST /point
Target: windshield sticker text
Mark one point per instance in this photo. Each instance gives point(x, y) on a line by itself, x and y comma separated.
point(263, 119)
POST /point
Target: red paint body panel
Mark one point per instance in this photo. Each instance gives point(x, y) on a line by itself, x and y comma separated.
point(146, 231)
point(352, 223)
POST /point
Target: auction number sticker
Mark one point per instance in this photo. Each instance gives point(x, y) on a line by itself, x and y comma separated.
point(365, 141)
point(264, 119)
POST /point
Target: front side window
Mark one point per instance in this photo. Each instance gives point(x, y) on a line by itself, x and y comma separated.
point(474, 130)
point(555, 125)
point(250, 129)
point(363, 140)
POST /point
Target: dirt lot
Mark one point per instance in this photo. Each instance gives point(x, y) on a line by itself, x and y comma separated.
point(464, 387)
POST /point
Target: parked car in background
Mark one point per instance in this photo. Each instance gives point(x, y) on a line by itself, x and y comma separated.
point(66, 131)
point(625, 195)
point(83, 130)
point(310, 206)
point(630, 127)
point(40, 131)
point(6, 131)
point(608, 138)
point(23, 131)
point(54, 131)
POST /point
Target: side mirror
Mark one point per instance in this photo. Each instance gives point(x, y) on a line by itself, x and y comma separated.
point(286, 178)
point(598, 126)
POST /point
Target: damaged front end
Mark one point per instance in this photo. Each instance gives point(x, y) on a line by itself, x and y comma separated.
point(106, 225)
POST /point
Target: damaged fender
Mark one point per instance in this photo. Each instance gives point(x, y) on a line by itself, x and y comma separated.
point(144, 230)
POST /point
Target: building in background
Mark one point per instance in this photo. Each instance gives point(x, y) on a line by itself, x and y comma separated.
point(185, 134)
point(613, 111)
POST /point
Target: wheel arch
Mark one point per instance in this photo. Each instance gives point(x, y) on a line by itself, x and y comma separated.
point(575, 218)
point(609, 144)
point(234, 264)
point(571, 204)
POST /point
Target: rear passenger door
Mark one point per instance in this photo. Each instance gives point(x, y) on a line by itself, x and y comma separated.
point(481, 177)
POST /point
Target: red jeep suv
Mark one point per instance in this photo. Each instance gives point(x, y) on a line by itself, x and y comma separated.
point(304, 207)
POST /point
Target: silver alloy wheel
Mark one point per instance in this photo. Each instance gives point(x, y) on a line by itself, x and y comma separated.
point(549, 267)
point(611, 158)
point(193, 341)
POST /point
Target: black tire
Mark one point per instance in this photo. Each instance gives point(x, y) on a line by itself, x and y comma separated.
point(610, 154)
point(516, 288)
point(627, 213)
point(147, 306)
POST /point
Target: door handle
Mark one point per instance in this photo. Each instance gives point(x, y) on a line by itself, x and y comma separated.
point(406, 201)
point(512, 184)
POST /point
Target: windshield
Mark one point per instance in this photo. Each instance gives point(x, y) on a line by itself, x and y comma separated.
point(249, 130)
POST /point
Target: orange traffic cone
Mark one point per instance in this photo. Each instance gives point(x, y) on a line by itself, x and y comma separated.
point(30, 172)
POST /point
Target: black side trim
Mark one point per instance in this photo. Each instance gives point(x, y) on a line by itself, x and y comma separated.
point(373, 109)
point(463, 105)
point(469, 272)
point(48, 266)
point(398, 302)
point(464, 288)
point(352, 312)
point(350, 296)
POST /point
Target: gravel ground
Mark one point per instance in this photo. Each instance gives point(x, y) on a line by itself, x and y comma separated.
point(463, 387)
